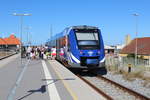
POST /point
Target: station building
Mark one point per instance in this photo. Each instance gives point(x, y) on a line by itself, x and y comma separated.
point(143, 49)
point(10, 43)
point(2, 43)
point(113, 50)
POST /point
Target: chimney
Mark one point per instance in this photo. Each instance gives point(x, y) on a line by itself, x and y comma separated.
point(127, 39)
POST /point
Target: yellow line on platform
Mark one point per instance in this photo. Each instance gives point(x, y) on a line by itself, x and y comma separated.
point(66, 85)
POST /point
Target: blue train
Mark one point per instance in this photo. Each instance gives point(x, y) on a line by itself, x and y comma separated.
point(80, 47)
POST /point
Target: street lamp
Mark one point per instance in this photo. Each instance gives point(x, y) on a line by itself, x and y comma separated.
point(136, 33)
point(21, 24)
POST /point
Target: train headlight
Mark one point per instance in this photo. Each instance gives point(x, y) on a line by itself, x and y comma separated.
point(81, 52)
point(90, 53)
point(98, 52)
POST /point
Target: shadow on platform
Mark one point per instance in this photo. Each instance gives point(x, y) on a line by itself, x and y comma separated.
point(42, 89)
point(55, 80)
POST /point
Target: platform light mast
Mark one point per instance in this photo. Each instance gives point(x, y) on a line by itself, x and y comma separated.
point(136, 33)
point(21, 26)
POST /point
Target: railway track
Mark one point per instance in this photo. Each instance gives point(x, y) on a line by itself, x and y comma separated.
point(111, 90)
point(6, 56)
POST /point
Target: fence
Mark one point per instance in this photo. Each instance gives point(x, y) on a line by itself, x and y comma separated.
point(122, 62)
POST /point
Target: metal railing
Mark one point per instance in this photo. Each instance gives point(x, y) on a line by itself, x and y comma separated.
point(120, 62)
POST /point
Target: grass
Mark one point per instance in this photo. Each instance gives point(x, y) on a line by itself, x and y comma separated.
point(133, 75)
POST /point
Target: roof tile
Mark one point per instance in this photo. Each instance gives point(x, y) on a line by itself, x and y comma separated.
point(11, 40)
point(143, 46)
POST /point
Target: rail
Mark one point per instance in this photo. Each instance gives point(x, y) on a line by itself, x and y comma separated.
point(136, 94)
point(95, 88)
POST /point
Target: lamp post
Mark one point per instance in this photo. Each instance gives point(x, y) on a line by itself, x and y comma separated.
point(21, 25)
point(27, 28)
point(136, 33)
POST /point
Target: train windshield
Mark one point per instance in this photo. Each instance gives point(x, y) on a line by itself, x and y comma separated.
point(87, 40)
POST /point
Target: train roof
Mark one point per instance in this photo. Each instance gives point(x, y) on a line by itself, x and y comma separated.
point(67, 30)
point(84, 27)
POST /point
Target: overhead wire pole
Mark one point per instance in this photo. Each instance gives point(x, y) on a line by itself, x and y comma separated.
point(51, 32)
point(21, 25)
point(30, 38)
point(27, 29)
point(136, 33)
point(50, 35)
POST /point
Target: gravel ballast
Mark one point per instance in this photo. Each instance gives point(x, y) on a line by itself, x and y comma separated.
point(136, 85)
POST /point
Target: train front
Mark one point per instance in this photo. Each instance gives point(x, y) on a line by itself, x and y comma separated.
point(88, 50)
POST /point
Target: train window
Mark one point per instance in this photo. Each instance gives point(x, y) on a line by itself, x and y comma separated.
point(87, 36)
point(87, 40)
point(88, 45)
point(68, 43)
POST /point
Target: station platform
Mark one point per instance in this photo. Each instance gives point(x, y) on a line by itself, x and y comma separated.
point(42, 80)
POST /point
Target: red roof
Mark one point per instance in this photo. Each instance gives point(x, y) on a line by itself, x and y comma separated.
point(11, 40)
point(2, 41)
point(143, 46)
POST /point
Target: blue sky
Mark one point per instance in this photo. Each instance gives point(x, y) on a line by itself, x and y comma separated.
point(113, 17)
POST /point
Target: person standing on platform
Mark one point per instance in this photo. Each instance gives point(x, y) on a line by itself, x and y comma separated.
point(53, 52)
point(28, 52)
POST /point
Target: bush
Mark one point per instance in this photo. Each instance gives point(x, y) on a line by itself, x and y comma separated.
point(131, 56)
